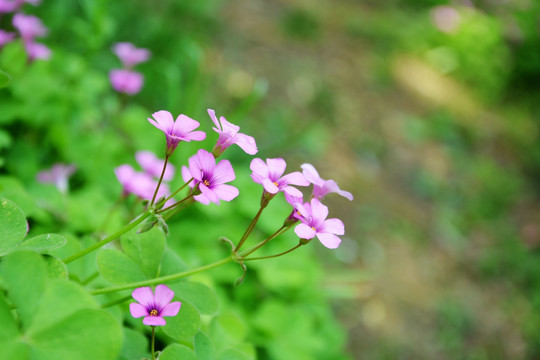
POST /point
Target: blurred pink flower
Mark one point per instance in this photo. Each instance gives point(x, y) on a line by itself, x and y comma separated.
point(210, 178)
point(269, 175)
point(29, 26)
point(58, 175)
point(314, 223)
point(8, 6)
point(228, 135)
point(130, 55)
point(126, 81)
point(133, 182)
point(37, 51)
point(181, 129)
point(445, 18)
point(6, 37)
point(322, 187)
point(154, 306)
point(152, 165)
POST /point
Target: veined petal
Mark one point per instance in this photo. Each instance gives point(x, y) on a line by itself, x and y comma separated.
point(227, 127)
point(318, 211)
point(195, 167)
point(186, 175)
point(292, 191)
point(137, 310)
point(311, 173)
point(330, 186)
point(154, 321)
point(196, 136)
point(163, 296)
point(259, 168)
point(164, 119)
point(202, 199)
point(270, 186)
point(171, 309)
point(212, 114)
point(144, 296)
point(226, 192)
point(207, 162)
point(184, 124)
point(304, 231)
point(210, 195)
point(331, 241)
point(223, 173)
point(295, 178)
point(333, 226)
point(246, 143)
point(276, 168)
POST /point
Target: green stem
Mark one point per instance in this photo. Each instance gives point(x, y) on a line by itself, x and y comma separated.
point(280, 231)
point(175, 204)
point(273, 256)
point(175, 211)
point(108, 239)
point(160, 179)
point(116, 302)
point(249, 228)
point(180, 189)
point(153, 341)
point(90, 278)
point(162, 279)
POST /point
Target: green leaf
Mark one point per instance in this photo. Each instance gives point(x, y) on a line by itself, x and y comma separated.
point(85, 335)
point(135, 344)
point(4, 79)
point(199, 295)
point(9, 329)
point(56, 269)
point(228, 329)
point(43, 242)
point(13, 226)
point(171, 263)
point(25, 275)
point(203, 346)
point(184, 325)
point(61, 299)
point(117, 268)
point(232, 354)
point(145, 249)
point(177, 351)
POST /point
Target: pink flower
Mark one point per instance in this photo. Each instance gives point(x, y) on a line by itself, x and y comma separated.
point(175, 131)
point(126, 81)
point(130, 55)
point(58, 175)
point(210, 178)
point(133, 182)
point(37, 51)
point(322, 187)
point(314, 223)
point(8, 6)
point(29, 26)
point(6, 37)
point(228, 135)
point(269, 175)
point(154, 166)
point(445, 18)
point(154, 307)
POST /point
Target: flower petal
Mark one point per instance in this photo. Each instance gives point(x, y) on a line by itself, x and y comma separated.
point(311, 173)
point(276, 168)
point(184, 124)
point(226, 192)
point(202, 199)
point(333, 226)
point(259, 168)
point(196, 136)
point(163, 296)
point(210, 195)
point(246, 143)
point(137, 310)
point(270, 186)
point(223, 173)
point(207, 162)
point(171, 309)
point(212, 114)
point(292, 191)
point(186, 175)
point(154, 321)
point(331, 241)
point(319, 211)
point(164, 119)
point(144, 296)
point(295, 178)
point(304, 231)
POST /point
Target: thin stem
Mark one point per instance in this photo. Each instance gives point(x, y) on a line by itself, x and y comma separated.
point(280, 231)
point(160, 179)
point(175, 204)
point(153, 341)
point(108, 239)
point(178, 190)
point(116, 302)
point(175, 211)
point(90, 278)
point(249, 228)
point(273, 256)
point(163, 279)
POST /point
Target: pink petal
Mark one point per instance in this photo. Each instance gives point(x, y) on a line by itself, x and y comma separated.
point(184, 124)
point(171, 309)
point(164, 119)
point(206, 161)
point(137, 310)
point(202, 199)
point(330, 186)
point(259, 168)
point(331, 241)
point(226, 192)
point(210, 195)
point(246, 143)
point(212, 114)
point(154, 321)
point(304, 231)
point(163, 296)
point(318, 210)
point(223, 172)
point(333, 226)
point(144, 296)
point(276, 168)
point(295, 178)
point(186, 175)
point(227, 127)
point(195, 167)
point(292, 191)
point(270, 186)
point(196, 136)
point(310, 173)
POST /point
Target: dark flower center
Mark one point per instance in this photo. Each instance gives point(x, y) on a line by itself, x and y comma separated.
point(153, 312)
point(206, 182)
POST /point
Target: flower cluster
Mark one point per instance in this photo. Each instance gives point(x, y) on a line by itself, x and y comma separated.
point(126, 80)
point(58, 175)
point(29, 28)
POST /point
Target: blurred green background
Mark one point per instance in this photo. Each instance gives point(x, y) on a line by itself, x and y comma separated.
point(426, 110)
